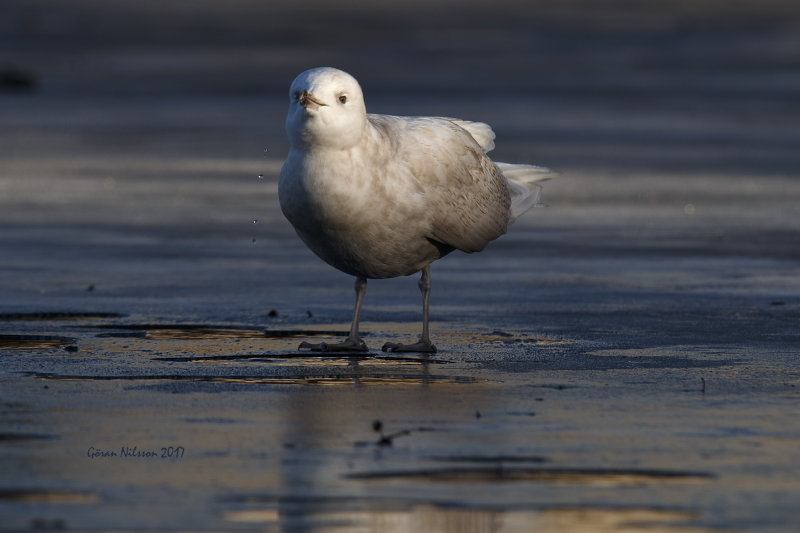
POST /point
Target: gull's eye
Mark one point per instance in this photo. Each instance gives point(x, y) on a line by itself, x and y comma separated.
point(296, 96)
point(343, 99)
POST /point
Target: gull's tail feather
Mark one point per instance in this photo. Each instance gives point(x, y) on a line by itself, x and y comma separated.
point(524, 182)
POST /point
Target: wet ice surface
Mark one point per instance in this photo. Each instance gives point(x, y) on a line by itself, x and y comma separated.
point(623, 360)
point(500, 428)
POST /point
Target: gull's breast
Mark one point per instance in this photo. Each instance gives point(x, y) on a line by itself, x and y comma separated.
point(376, 226)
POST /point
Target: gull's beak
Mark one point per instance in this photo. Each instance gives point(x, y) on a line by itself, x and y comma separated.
point(308, 100)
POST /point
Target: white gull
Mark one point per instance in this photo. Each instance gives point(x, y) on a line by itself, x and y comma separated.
point(380, 196)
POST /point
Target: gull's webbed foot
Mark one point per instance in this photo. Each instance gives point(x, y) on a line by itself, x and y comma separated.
point(349, 345)
point(421, 346)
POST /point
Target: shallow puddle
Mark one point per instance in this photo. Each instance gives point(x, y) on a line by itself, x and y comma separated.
point(304, 359)
point(504, 337)
point(490, 459)
point(35, 342)
point(389, 517)
point(47, 316)
point(202, 331)
point(599, 477)
point(46, 496)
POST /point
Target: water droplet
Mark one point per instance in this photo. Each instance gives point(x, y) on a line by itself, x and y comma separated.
point(255, 221)
point(266, 150)
point(254, 240)
point(261, 176)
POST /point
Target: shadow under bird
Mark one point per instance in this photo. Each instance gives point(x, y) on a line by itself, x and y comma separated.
point(380, 196)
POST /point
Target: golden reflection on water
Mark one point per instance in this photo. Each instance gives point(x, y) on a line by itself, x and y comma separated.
point(205, 333)
point(429, 518)
point(223, 344)
point(209, 332)
point(349, 380)
point(33, 342)
point(189, 331)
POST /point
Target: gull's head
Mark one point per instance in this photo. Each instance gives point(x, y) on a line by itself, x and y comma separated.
point(326, 109)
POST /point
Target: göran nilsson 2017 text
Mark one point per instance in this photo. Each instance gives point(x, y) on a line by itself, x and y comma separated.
point(133, 452)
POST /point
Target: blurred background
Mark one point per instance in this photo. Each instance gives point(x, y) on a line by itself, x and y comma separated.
point(152, 119)
point(702, 84)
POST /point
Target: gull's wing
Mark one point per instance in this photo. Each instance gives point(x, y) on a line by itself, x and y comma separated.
point(482, 133)
point(466, 198)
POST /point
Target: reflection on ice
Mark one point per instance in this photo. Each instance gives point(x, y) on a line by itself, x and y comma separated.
point(31, 496)
point(423, 518)
point(603, 477)
point(35, 342)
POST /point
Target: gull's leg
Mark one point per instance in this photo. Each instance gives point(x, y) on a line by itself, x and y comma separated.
point(353, 343)
point(424, 343)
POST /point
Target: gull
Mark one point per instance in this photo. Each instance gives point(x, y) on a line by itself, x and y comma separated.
point(381, 196)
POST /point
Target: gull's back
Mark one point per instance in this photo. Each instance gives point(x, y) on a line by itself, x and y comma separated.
point(465, 196)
